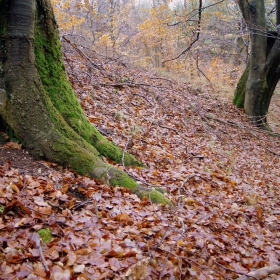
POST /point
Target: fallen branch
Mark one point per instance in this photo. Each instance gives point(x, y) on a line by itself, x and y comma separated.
point(261, 273)
point(80, 204)
point(194, 156)
point(173, 129)
point(228, 269)
point(183, 186)
point(38, 245)
point(160, 78)
point(119, 85)
point(99, 67)
point(241, 126)
point(131, 84)
point(223, 121)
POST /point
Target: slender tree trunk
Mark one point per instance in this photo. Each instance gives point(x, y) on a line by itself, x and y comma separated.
point(38, 104)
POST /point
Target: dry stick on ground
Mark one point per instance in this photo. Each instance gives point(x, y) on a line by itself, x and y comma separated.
point(80, 204)
point(153, 118)
point(188, 260)
point(166, 259)
point(193, 156)
point(124, 167)
point(38, 245)
point(203, 118)
point(132, 84)
point(224, 122)
point(182, 186)
point(144, 97)
point(225, 268)
point(55, 206)
point(261, 273)
point(240, 126)
point(173, 129)
point(119, 85)
point(160, 78)
point(82, 54)
point(71, 67)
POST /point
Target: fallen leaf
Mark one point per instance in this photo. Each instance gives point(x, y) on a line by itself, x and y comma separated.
point(13, 145)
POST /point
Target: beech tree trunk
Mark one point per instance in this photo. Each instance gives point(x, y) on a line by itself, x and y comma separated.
point(37, 103)
point(258, 82)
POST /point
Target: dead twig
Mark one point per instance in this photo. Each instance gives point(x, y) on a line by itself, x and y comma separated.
point(137, 179)
point(160, 78)
point(182, 186)
point(144, 97)
point(99, 67)
point(241, 126)
point(173, 129)
point(223, 121)
point(202, 73)
point(80, 204)
point(194, 156)
point(228, 269)
point(55, 206)
point(188, 260)
point(261, 273)
point(38, 245)
point(119, 85)
point(131, 84)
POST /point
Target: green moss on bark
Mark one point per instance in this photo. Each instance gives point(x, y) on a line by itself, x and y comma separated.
point(109, 150)
point(239, 94)
point(52, 73)
point(34, 110)
point(120, 178)
point(155, 194)
point(69, 153)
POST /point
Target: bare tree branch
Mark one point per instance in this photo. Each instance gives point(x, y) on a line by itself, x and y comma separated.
point(197, 34)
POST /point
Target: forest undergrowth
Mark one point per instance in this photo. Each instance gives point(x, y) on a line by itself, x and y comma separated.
point(221, 173)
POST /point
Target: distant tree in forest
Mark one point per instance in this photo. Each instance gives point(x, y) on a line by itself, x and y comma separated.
point(258, 82)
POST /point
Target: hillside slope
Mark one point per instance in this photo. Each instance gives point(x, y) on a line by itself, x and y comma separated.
point(221, 173)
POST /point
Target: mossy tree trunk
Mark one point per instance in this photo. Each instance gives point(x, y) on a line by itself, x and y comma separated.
point(258, 82)
point(37, 102)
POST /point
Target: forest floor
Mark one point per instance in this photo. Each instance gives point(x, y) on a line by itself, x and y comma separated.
point(221, 173)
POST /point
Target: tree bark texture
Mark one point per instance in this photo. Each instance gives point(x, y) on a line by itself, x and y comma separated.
point(37, 102)
point(257, 84)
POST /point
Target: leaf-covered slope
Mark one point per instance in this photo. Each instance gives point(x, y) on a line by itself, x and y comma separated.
point(221, 174)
